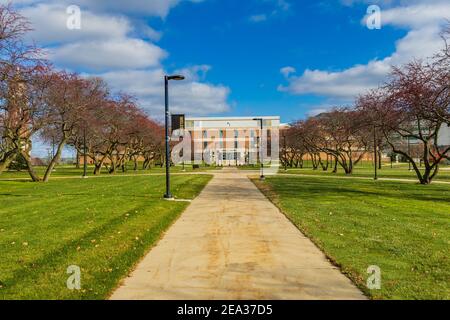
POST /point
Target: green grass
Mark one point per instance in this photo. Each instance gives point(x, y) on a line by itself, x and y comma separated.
point(72, 171)
point(401, 227)
point(104, 226)
point(399, 171)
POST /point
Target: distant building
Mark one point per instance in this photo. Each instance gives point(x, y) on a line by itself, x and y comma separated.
point(230, 141)
point(444, 136)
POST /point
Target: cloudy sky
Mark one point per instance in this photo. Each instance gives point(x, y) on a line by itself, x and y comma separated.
point(253, 57)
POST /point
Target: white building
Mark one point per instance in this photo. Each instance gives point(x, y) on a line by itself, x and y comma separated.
point(444, 136)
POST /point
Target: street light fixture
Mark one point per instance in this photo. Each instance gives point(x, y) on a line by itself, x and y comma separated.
point(262, 177)
point(168, 195)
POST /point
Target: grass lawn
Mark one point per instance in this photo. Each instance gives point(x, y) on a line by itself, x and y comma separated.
point(400, 171)
point(403, 228)
point(72, 171)
point(104, 226)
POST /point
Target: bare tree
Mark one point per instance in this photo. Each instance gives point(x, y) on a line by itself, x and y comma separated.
point(344, 137)
point(408, 110)
point(21, 69)
point(68, 97)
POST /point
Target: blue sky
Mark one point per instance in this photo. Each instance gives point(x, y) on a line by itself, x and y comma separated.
point(247, 55)
point(254, 57)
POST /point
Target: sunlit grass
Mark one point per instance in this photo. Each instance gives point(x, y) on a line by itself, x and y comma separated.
point(72, 171)
point(401, 227)
point(104, 226)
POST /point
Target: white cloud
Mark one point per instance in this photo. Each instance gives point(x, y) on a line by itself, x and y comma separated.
point(189, 96)
point(151, 33)
point(258, 18)
point(108, 54)
point(416, 16)
point(194, 73)
point(116, 43)
point(314, 111)
point(104, 41)
point(423, 19)
point(49, 22)
point(344, 84)
point(200, 98)
point(286, 71)
point(158, 8)
point(111, 43)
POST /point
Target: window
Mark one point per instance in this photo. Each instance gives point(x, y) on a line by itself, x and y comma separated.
point(221, 139)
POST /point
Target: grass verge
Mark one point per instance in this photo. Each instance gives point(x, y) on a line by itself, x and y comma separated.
point(400, 227)
point(104, 226)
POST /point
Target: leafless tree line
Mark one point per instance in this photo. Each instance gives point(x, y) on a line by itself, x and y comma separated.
point(37, 100)
point(405, 115)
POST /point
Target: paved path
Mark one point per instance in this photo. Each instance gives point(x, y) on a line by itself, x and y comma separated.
point(232, 243)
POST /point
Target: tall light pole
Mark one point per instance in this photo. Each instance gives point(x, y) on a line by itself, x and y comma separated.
point(168, 195)
point(285, 151)
point(84, 153)
point(409, 153)
point(375, 154)
point(261, 160)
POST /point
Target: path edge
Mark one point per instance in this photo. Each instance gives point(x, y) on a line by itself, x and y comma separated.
point(266, 191)
point(161, 236)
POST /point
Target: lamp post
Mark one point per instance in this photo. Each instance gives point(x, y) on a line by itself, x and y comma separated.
point(375, 154)
point(285, 151)
point(168, 195)
point(409, 152)
point(182, 152)
point(262, 177)
point(84, 153)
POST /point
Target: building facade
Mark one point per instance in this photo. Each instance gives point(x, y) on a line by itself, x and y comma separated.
point(232, 141)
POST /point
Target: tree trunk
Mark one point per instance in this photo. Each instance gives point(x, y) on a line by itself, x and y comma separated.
point(145, 164)
point(30, 168)
point(78, 160)
point(4, 164)
point(314, 161)
point(324, 165)
point(335, 165)
point(380, 166)
point(98, 164)
point(112, 170)
point(6, 160)
point(54, 160)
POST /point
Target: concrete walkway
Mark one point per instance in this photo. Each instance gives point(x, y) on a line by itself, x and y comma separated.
point(232, 243)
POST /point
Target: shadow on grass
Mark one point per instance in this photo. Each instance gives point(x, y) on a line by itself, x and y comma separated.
point(344, 188)
point(50, 259)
